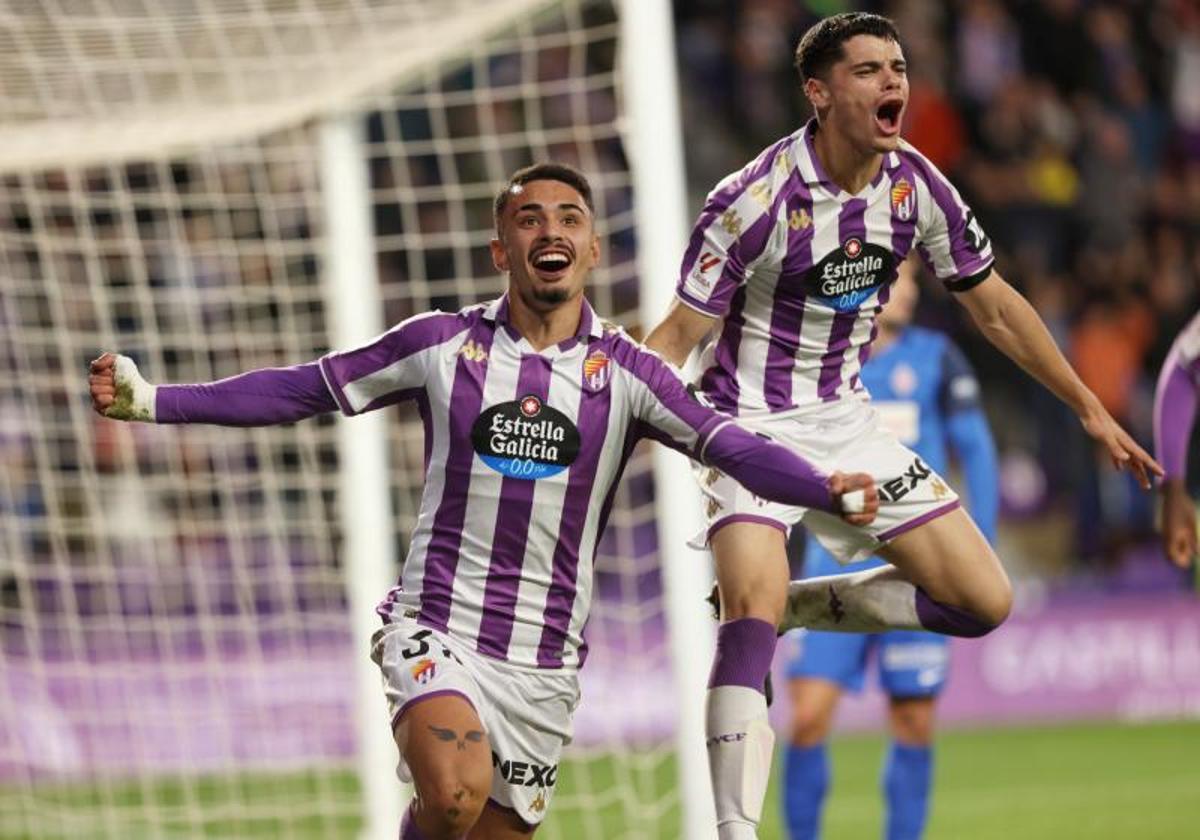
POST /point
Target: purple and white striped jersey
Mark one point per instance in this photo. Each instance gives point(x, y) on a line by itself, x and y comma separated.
point(1175, 400)
point(799, 269)
point(523, 451)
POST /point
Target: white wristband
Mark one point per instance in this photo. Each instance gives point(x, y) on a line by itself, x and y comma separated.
point(135, 396)
point(854, 501)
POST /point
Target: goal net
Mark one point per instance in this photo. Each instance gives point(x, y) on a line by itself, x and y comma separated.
point(176, 650)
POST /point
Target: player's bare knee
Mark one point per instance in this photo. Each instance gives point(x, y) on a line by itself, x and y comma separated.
point(912, 722)
point(995, 605)
point(809, 726)
point(451, 805)
point(764, 603)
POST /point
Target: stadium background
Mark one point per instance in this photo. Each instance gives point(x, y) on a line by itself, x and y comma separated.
point(1073, 128)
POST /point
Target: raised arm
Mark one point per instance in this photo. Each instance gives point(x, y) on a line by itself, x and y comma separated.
point(1174, 415)
point(1012, 325)
point(258, 398)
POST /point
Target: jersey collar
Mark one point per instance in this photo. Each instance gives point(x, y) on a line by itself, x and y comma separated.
point(590, 325)
point(814, 174)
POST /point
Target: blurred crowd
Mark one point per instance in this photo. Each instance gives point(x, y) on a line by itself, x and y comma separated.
point(1073, 129)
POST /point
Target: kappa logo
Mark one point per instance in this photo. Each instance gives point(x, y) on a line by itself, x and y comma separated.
point(539, 802)
point(472, 351)
point(836, 607)
point(903, 199)
point(800, 220)
point(597, 370)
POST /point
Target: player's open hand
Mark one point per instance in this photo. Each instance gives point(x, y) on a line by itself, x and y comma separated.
point(1122, 449)
point(856, 497)
point(1179, 524)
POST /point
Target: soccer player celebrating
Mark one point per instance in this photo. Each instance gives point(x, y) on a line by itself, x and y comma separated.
point(531, 406)
point(796, 253)
point(927, 396)
point(1174, 414)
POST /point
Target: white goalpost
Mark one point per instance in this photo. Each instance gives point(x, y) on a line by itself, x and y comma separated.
point(215, 185)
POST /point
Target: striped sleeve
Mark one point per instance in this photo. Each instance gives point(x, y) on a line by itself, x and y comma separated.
point(390, 367)
point(951, 240)
point(665, 408)
point(1175, 400)
point(731, 234)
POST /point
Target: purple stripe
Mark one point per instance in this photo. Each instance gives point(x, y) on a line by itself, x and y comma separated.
point(903, 527)
point(966, 260)
point(720, 381)
point(851, 223)
point(431, 695)
point(1174, 414)
point(441, 557)
point(787, 311)
point(257, 398)
point(744, 517)
point(512, 531)
point(594, 410)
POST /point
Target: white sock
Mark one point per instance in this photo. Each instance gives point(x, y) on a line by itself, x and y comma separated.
point(740, 748)
point(861, 602)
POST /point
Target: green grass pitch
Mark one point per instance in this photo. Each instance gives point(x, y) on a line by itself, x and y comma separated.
point(1094, 781)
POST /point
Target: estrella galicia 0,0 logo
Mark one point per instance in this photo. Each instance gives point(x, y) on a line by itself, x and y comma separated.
point(525, 439)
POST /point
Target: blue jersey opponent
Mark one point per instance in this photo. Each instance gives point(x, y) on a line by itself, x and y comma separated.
point(927, 394)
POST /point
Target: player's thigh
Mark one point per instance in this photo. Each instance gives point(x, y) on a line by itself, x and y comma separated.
point(499, 823)
point(911, 719)
point(814, 702)
point(752, 570)
point(448, 753)
point(951, 560)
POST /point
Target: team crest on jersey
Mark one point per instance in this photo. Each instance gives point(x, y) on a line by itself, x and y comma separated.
point(597, 370)
point(525, 439)
point(903, 199)
point(853, 247)
point(424, 671)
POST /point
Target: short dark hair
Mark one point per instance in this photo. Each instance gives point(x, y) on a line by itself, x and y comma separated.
point(821, 46)
point(561, 172)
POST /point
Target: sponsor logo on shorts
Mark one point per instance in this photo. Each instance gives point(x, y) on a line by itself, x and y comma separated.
point(424, 671)
point(597, 370)
point(526, 773)
point(896, 489)
point(525, 439)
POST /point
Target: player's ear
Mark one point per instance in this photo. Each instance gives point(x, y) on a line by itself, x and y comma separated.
point(595, 249)
point(817, 92)
point(499, 255)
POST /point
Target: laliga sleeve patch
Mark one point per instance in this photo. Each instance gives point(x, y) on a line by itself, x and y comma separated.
point(525, 439)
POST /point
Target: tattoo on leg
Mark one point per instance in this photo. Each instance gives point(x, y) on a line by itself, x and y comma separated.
point(473, 736)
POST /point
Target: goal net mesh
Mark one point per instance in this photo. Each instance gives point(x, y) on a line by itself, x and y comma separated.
point(174, 628)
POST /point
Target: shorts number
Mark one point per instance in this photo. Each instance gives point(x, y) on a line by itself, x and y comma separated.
point(420, 647)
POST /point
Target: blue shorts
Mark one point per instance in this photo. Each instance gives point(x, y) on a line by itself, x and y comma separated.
point(912, 663)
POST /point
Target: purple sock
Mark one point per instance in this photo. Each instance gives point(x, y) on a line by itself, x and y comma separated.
point(408, 826)
point(953, 621)
point(744, 651)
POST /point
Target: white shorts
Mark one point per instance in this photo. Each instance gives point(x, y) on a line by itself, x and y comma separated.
point(846, 436)
point(526, 714)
